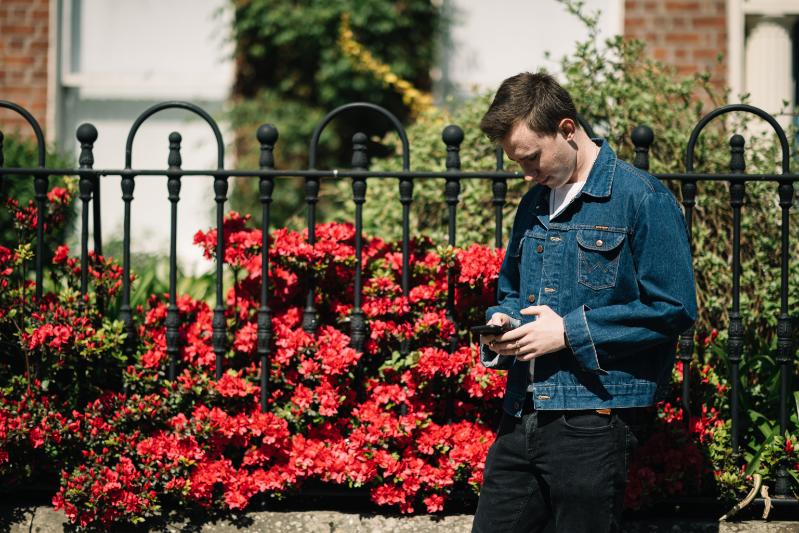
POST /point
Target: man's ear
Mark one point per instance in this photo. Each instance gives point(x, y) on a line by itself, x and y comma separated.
point(567, 128)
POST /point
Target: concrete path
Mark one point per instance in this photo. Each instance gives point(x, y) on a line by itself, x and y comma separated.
point(45, 520)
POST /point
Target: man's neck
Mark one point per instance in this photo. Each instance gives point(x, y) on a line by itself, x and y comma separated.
point(587, 152)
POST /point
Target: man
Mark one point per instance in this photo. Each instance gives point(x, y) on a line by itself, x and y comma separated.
point(596, 286)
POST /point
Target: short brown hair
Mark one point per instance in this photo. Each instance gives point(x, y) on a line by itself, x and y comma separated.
point(537, 99)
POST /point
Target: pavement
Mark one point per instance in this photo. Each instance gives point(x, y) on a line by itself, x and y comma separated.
point(43, 519)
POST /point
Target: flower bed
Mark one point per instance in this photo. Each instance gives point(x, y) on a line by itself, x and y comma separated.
point(119, 442)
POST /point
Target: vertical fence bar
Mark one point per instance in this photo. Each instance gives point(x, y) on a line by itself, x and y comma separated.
point(452, 137)
point(125, 314)
point(499, 187)
point(688, 189)
point(309, 318)
point(86, 135)
point(172, 315)
point(406, 197)
point(96, 219)
point(41, 184)
point(360, 161)
point(784, 331)
point(267, 136)
point(97, 230)
point(218, 339)
point(736, 331)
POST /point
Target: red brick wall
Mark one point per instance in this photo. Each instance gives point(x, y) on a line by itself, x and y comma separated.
point(24, 33)
point(688, 34)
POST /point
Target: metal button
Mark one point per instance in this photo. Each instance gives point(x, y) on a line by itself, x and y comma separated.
point(517, 405)
point(531, 298)
point(599, 243)
point(539, 249)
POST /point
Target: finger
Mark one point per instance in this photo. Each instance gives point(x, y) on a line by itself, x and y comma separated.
point(512, 335)
point(498, 319)
point(534, 310)
point(509, 348)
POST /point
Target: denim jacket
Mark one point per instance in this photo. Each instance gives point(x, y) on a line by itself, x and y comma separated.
point(616, 265)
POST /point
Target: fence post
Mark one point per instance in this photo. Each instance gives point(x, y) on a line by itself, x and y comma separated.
point(41, 183)
point(360, 161)
point(125, 314)
point(86, 135)
point(736, 329)
point(172, 315)
point(267, 136)
point(218, 325)
point(309, 318)
point(785, 351)
point(452, 137)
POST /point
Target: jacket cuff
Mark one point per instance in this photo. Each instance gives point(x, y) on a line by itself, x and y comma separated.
point(579, 341)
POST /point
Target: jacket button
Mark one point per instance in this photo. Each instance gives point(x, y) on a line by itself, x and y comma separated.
point(531, 298)
point(539, 249)
point(517, 405)
point(599, 243)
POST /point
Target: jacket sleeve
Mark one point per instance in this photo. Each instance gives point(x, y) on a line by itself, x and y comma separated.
point(666, 305)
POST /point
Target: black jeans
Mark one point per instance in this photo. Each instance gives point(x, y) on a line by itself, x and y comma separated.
point(566, 469)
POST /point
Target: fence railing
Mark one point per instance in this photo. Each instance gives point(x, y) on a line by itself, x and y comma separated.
point(452, 136)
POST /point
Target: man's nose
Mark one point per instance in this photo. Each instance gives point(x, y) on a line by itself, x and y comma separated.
point(530, 173)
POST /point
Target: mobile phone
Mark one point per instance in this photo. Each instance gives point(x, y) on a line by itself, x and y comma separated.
point(488, 329)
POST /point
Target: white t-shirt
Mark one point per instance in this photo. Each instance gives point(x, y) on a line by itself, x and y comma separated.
point(559, 199)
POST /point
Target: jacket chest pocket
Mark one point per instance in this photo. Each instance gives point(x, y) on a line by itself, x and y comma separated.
point(598, 254)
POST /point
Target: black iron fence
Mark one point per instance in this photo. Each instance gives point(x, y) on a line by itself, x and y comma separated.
point(452, 136)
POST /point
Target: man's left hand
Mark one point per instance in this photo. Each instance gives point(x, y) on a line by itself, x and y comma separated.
point(543, 336)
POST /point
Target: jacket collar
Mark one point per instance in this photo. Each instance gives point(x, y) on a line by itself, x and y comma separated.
point(600, 179)
point(598, 183)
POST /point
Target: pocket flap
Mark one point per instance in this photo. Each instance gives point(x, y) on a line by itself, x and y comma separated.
point(599, 240)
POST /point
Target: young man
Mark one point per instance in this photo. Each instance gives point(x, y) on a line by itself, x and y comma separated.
point(596, 286)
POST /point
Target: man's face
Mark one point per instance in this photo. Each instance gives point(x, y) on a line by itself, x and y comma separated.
point(548, 160)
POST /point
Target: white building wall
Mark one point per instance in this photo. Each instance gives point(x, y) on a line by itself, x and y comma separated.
point(491, 41)
point(119, 57)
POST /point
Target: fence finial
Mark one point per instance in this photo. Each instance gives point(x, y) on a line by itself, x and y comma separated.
point(174, 161)
point(86, 135)
point(267, 136)
point(737, 162)
point(453, 137)
point(642, 137)
point(360, 159)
